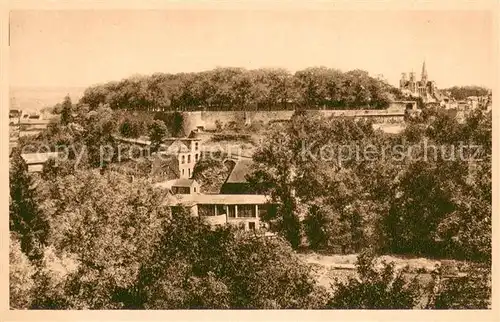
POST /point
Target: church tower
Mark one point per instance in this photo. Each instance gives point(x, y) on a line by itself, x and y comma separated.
point(424, 74)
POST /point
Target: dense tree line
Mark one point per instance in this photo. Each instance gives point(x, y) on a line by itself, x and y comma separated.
point(414, 194)
point(462, 92)
point(114, 244)
point(241, 89)
point(87, 239)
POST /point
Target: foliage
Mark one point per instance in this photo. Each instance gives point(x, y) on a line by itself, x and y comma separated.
point(113, 245)
point(462, 92)
point(109, 226)
point(99, 126)
point(211, 171)
point(472, 291)
point(21, 273)
point(25, 219)
point(84, 240)
point(429, 199)
point(309, 184)
point(240, 89)
point(384, 288)
point(224, 269)
point(157, 132)
point(54, 168)
point(131, 128)
point(66, 111)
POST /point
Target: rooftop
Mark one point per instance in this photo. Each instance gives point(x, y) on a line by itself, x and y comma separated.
point(216, 199)
point(183, 183)
point(240, 170)
point(175, 146)
point(175, 183)
point(36, 158)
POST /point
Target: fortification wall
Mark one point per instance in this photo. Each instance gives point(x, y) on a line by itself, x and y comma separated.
point(268, 116)
point(191, 120)
point(402, 105)
point(210, 119)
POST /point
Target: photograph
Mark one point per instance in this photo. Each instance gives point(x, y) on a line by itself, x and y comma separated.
point(274, 158)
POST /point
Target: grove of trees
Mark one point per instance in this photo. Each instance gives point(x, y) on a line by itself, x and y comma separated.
point(241, 89)
point(88, 239)
point(414, 194)
point(114, 244)
point(462, 92)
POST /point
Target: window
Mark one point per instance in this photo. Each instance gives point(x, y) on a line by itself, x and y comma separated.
point(247, 211)
point(189, 158)
point(189, 172)
point(206, 210)
point(196, 157)
point(194, 189)
point(196, 146)
point(180, 190)
point(183, 159)
point(221, 210)
point(231, 211)
point(182, 171)
point(251, 225)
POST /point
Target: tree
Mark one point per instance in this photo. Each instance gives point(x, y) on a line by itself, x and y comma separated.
point(462, 92)
point(66, 111)
point(25, 219)
point(422, 202)
point(157, 132)
point(470, 291)
point(301, 179)
point(239, 89)
point(54, 168)
point(21, 272)
point(374, 288)
point(108, 226)
point(100, 126)
point(224, 268)
point(118, 246)
point(130, 128)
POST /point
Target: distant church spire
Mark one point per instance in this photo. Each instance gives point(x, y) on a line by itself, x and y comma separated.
point(424, 73)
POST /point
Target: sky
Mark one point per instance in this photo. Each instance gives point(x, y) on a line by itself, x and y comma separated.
point(81, 48)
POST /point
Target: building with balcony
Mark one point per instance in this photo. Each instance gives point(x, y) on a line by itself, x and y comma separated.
point(244, 211)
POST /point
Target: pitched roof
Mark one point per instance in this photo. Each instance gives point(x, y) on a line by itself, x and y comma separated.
point(183, 183)
point(164, 163)
point(175, 146)
point(240, 170)
point(34, 158)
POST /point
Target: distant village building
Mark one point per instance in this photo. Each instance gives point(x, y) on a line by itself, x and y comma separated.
point(35, 161)
point(187, 151)
point(243, 211)
point(180, 186)
point(424, 88)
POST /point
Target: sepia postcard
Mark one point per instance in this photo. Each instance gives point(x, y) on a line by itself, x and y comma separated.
point(250, 160)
